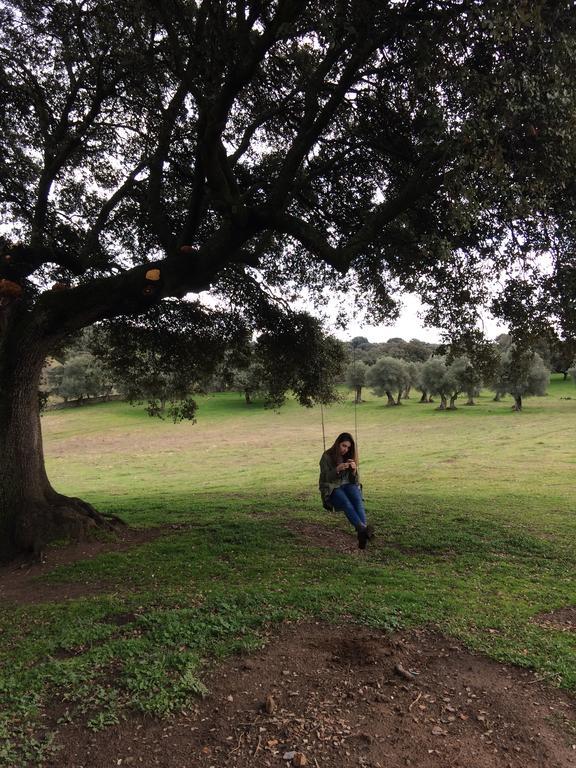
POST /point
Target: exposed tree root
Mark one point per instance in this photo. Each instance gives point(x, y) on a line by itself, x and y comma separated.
point(60, 518)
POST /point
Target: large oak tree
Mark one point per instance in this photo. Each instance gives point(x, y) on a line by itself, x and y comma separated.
point(255, 148)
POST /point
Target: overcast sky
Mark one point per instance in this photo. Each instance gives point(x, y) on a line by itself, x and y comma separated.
point(408, 326)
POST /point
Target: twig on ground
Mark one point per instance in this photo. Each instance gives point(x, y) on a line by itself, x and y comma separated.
point(540, 679)
point(416, 700)
point(237, 747)
point(399, 669)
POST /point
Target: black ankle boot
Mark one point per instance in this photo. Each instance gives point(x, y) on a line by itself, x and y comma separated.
point(362, 537)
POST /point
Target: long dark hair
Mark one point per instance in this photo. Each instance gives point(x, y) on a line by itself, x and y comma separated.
point(334, 451)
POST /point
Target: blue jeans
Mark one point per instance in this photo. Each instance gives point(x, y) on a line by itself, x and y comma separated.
point(348, 499)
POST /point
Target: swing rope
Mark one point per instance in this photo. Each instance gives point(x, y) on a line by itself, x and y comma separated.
point(355, 403)
point(355, 411)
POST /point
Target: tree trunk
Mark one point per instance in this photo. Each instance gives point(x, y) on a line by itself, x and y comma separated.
point(517, 403)
point(452, 406)
point(32, 513)
point(391, 400)
point(497, 397)
point(399, 398)
point(442, 406)
point(358, 398)
point(470, 400)
point(247, 397)
point(424, 398)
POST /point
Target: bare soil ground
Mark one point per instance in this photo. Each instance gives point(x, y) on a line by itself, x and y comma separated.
point(19, 581)
point(325, 536)
point(563, 619)
point(323, 695)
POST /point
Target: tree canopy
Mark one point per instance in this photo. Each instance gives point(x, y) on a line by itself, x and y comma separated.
point(521, 373)
point(420, 143)
point(388, 376)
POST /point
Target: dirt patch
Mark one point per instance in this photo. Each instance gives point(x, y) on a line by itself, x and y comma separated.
point(20, 582)
point(345, 541)
point(322, 695)
point(562, 619)
point(318, 535)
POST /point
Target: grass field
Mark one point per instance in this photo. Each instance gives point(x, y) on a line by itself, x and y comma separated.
point(474, 509)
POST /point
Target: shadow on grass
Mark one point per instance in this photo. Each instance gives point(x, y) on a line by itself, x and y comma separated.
point(412, 524)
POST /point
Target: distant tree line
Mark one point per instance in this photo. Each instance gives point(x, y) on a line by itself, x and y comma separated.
point(360, 349)
point(396, 367)
point(142, 363)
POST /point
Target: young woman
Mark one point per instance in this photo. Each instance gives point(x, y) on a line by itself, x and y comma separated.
point(340, 486)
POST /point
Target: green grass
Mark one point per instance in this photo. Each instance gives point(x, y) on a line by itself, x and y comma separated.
point(477, 534)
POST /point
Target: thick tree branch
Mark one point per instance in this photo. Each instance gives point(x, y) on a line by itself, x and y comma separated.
point(313, 239)
point(424, 181)
point(20, 261)
point(213, 169)
point(102, 219)
point(167, 10)
point(315, 122)
point(61, 312)
point(260, 120)
point(214, 114)
point(155, 182)
point(196, 206)
point(59, 148)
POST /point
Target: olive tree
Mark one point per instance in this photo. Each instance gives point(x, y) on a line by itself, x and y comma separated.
point(448, 379)
point(80, 376)
point(521, 373)
point(466, 377)
point(356, 378)
point(388, 376)
point(436, 379)
point(413, 377)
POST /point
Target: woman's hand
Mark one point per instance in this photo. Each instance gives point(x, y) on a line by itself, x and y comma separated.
point(342, 467)
point(352, 465)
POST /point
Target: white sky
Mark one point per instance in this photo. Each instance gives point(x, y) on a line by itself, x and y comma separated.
point(408, 326)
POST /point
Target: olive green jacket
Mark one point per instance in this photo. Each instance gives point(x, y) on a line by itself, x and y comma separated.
point(331, 479)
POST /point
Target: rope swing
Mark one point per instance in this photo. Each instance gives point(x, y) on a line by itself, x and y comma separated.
point(355, 412)
point(340, 483)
